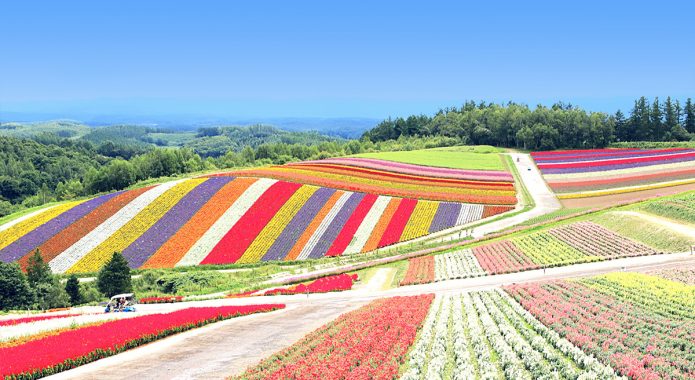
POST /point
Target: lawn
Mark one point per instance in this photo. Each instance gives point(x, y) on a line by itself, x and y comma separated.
point(464, 157)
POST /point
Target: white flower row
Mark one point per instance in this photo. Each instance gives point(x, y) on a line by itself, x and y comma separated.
point(316, 236)
point(469, 213)
point(418, 354)
point(454, 265)
point(219, 229)
point(94, 238)
point(364, 231)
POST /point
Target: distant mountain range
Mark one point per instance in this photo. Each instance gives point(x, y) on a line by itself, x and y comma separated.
point(346, 127)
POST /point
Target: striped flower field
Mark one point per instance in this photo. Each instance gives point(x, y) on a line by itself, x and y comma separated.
point(226, 219)
point(597, 172)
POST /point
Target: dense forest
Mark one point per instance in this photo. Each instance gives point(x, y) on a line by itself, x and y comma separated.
point(559, 126)
point(48, 168)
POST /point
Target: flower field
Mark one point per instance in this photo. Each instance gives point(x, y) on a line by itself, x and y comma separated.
point(39, 357)
point(420, 271)
point(167, 299)
point(368, 343)
point(335, 283)
point(574, 243)
point(488, 335)
point(586, 173)
point(641, 325)
point(397, 179)
point(224, 220)
point(685, 275)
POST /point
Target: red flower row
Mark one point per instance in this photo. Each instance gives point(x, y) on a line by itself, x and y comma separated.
point(368, 343)
point(73, 348)
point(336, 283)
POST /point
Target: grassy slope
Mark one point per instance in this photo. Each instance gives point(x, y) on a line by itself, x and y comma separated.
point(465, 157)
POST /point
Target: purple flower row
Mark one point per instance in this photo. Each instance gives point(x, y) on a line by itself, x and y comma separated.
point(151, 240)
point(647, 153)
point(33, 239)
point(294, 229)
point(591, 169)
point(336, 225)
point(445, 217)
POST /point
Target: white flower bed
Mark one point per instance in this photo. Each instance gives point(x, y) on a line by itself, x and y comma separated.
point(469, 213)
point(94, 238)
point(211, 237)
point(490, 324)
point(454, 265)
point(316, 236)
point(364, 231)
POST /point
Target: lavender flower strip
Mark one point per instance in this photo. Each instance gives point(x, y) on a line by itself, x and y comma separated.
point(42, 233)
point(445, 217)
point(150, 241)
point(589, 169)
point(294, 229)
point(612, 157)
point(336, 225)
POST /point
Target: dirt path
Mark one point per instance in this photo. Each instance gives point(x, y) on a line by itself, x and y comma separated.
point(218, 350)
point(380, 280)
point(681, 228)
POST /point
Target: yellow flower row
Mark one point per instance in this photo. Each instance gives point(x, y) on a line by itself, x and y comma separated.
point(420, 220)
point(598, 193)
point(277, 224)
point(654, 287)
point(132, 230)
point(15, 232)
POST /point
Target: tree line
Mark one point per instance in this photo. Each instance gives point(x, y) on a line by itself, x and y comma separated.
point(560, 126)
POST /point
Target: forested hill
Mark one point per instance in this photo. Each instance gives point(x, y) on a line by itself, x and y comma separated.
point(559, 126)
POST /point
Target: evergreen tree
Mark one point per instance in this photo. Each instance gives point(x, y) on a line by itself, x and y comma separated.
point(15, 292)
point(114, 277)
point(655, 121)
point(622, 128)
point(671, 115)
point(38, 271)
point(48, 292)
point(72, 288)
point(689, 111)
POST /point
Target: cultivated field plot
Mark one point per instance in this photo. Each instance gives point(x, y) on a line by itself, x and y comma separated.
point(643, 326)
point(574, 243)
point(225, 219)
point(600, 172)
point(398, 179)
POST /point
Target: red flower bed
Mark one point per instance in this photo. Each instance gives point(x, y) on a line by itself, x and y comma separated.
point(420, 271)
point(368, 343)
point(168, 299)
point(335, 283)
point(72, 348)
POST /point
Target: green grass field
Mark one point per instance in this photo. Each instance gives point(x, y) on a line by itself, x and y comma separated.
point(464, 157)
point(638, 229)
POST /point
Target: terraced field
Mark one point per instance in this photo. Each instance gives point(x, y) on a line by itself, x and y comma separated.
point(277, 215)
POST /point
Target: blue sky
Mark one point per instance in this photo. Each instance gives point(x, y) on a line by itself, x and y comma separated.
point(337, 58)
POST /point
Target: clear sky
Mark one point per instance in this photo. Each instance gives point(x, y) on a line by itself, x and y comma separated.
point(338, 58)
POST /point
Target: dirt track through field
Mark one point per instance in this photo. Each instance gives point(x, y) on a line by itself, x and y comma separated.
point(681, 228)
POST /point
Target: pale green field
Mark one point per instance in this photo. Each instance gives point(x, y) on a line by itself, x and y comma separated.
point(463, 157)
